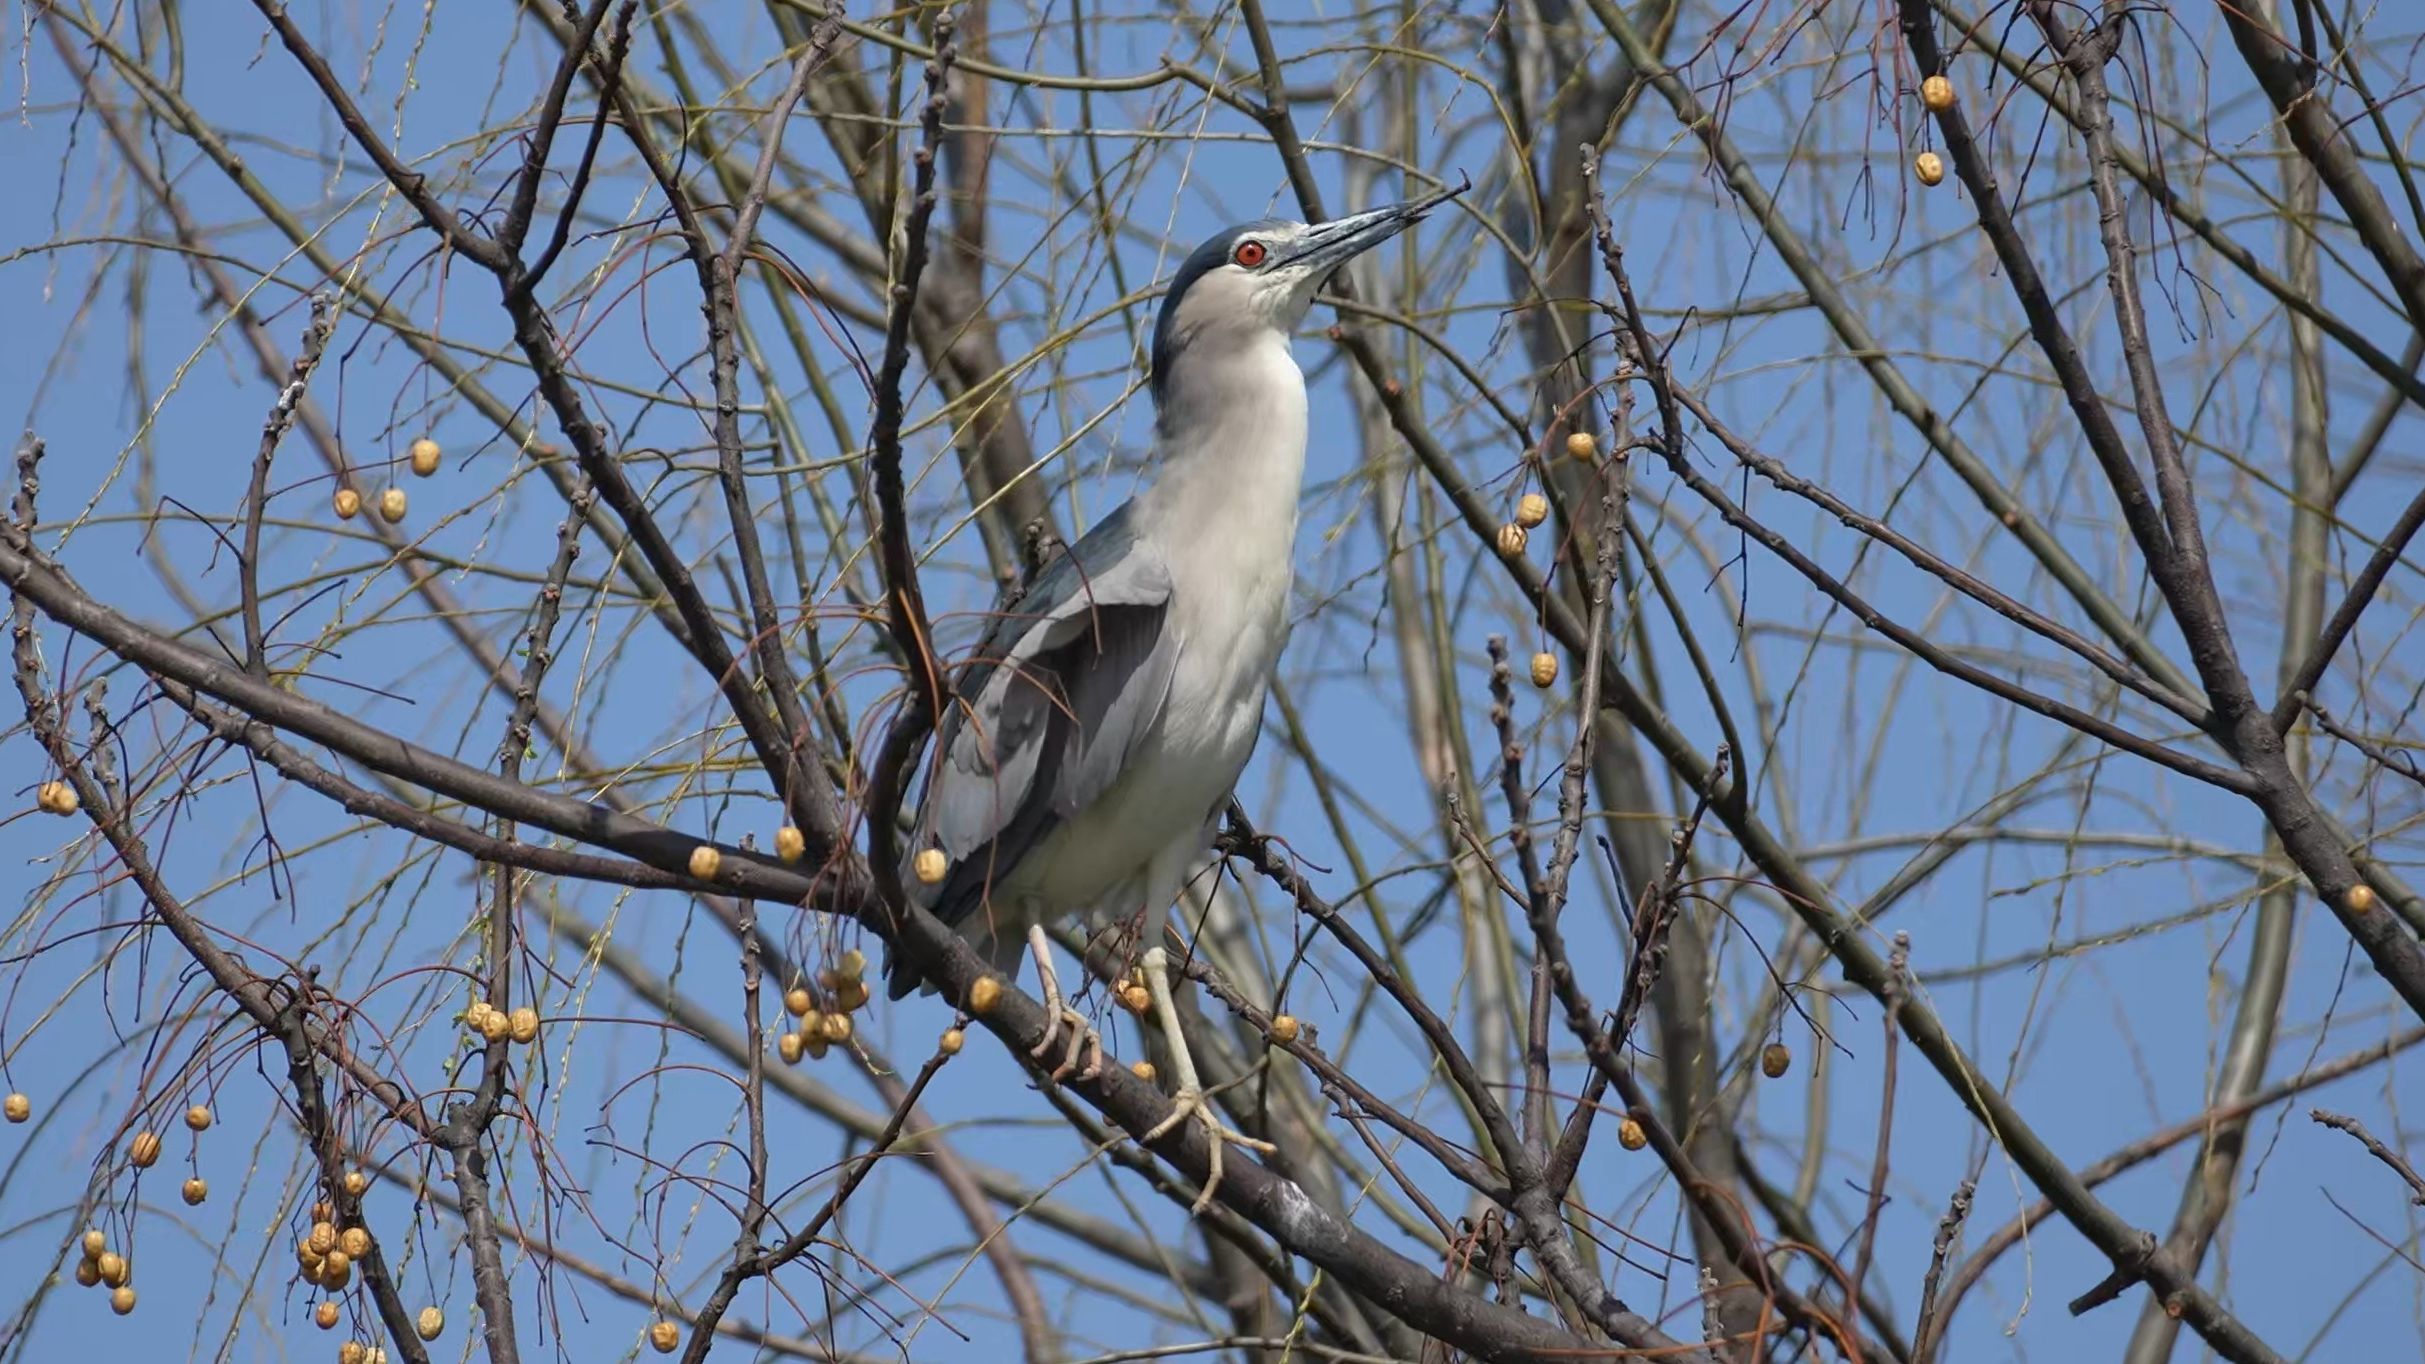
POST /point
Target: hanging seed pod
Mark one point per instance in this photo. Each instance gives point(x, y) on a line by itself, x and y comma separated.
point(790, 1048)
point(951, 1042)
point(112, 1267)
point(1930, 167)
point(17, 1107)
point(790, 844)
point(358, 1183)
point(354, 1241)
point(425, 453)
point(1544, 669)
point(348, 504)
point(930, 865)
point(430, 1324)
point(705, 862)
point(664, 1337)
point(195, 1190)
point(198, 1118)
point(1937, 93)
point(1143, 1070)
point(392, 505)
point(122, 1300)
point(93, 1244)
point(1512, 539)
point(1631, 1136)
point(87, 1273)
point(56, 798)
point(1284, 1028)
point(1775, 1060)
point(1582, 445)
point(326, 1314)
point(523, 1025)
point(1531, 510)
point(144, 1151)
point(984, 995)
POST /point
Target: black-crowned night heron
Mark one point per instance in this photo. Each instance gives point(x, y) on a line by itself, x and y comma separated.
point(1111, 708)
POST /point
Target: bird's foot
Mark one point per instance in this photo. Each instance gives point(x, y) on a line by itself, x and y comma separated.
point(1188, 1101)
point(1191, 1103)
point(1084, 1041)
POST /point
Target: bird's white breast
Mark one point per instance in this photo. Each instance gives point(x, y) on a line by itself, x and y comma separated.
point(1223, 515)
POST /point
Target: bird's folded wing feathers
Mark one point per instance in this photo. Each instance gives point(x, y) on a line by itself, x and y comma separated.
point(1069, 679)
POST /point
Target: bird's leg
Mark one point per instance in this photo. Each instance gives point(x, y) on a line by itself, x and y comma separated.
point(1083, 1039)
point(1189, 1100)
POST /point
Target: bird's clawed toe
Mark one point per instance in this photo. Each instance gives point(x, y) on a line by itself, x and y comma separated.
point(1083, 1041)
point(1191, 1104)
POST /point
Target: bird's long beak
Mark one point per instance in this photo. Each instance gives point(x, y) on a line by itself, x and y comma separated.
point(1327, 246)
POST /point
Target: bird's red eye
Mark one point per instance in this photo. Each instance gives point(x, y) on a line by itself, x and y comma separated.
point(1250, 254)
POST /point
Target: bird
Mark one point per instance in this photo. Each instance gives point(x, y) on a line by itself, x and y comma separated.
point(1098, 729)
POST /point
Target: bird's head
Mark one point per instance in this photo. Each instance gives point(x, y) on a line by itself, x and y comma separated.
point(1255, 280)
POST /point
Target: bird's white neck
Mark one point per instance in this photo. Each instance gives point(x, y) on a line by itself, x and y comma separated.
point(1229, 448)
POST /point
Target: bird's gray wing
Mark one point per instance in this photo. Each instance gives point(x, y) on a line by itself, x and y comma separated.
point(1067, 681)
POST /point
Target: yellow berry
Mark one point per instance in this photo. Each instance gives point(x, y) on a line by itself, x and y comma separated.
point(349, 504)
point(353, 1352)
point(321, 1239)
point(354, 1241)
point(797, 1001)
point(523, 1025)
point(1582, 445)
point(1511, 539)
point(333, 1267)
point(143, 1150)
point(122, 1300)
point(392, 505)
point(495, 1024)
point(790, 844)
point(1544, 669)
point(195, 1190)
point(812, 1026)
point(852, 965)
point(56, 797)
point(1136, 999)
point(664, 1337)
point(930, 865)
point(325, 1315)
point(87, 1273)
point(17, 1107)
point(1930, 167)
point(2361, 898)
point(953, 1040)
point(984, 995)
point(1937, 93)
point(1631, 1136)
point(1143, 1070)
point(851, 994)
point(1284, 1028)
point(837, 1027)
point(94, 1244)
point(357, 1183)
point(425, 453)
point(1775, 1060)
point(1532, 510)
point(430, 1324)
point(324, 1211)
point(112, 1267)
point(198, 1118)
point(789, 1047)
point(813, 1045)
point(705, 862)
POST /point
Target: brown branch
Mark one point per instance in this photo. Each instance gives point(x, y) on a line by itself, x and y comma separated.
point(2341, 1122)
